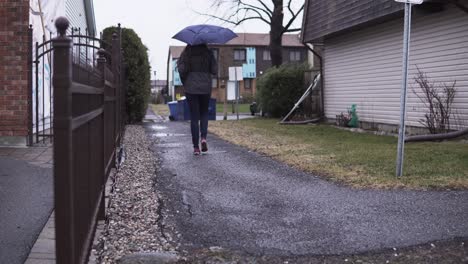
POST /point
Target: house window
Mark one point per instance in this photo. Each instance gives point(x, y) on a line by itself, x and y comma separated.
point(266, 55)
point(294, 55)
point(247, 83)
point(239, 54)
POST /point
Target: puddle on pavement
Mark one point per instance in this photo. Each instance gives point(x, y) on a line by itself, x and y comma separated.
point(214, 152)
point(157, 127)
point(170, 145)
point(168, 135)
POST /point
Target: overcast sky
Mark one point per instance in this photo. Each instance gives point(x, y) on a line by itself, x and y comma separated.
point(157, 21)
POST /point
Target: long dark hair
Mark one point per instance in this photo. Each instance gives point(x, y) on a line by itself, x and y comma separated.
point(197, 54)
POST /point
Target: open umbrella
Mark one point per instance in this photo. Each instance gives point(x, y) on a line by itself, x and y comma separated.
point(205, 34)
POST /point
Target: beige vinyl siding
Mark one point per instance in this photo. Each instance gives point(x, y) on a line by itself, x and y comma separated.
point(364, 67)
point(75, 12)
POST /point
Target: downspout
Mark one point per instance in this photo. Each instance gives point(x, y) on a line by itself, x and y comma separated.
point(322, 103)
point(167, 75)
point(436, 137)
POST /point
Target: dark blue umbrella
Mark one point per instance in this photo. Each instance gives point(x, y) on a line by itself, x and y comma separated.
point(205, 34)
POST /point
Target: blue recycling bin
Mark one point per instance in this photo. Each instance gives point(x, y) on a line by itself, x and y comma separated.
point(182, 110)
point(212, 109)
point(185, 113)
point(186, 110)
point(172, 110)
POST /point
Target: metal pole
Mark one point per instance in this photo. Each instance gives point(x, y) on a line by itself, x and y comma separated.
point(225, 100)
point(237, 96)
point(403, 96)
point(30, 86)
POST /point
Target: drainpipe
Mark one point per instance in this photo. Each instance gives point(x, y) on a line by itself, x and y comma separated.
point(322, 103)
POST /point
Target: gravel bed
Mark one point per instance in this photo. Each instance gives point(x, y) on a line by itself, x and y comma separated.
point(133, 217)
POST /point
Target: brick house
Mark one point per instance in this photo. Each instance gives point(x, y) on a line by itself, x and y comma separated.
point(248, 50)
point(16, 53)
point(362, 43)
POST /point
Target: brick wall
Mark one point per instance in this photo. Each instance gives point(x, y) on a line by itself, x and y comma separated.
point(14, 50)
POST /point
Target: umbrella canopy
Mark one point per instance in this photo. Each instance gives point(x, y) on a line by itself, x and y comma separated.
point(205, 34)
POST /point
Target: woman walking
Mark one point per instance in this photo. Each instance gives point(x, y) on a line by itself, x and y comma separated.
point(196, 67)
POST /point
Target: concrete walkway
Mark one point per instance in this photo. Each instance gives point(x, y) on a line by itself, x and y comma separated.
point(240, 200)
point(26, 199)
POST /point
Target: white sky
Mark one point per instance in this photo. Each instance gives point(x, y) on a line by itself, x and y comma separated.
point(156, 21)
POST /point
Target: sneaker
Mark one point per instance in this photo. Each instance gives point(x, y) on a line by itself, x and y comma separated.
point(204, 146)
point(196, 151)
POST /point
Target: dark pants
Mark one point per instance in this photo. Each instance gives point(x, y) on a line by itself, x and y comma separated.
point(198, 104)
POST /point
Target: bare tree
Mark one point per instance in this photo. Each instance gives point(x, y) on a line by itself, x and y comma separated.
point(270, 11)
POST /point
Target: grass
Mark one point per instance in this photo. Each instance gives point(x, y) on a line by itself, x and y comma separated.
point(160, 109)
point(163, 109)
point(243, 108)
point(359, 160)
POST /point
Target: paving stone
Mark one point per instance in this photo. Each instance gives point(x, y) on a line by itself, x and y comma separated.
point(34, 150)
point(44, 246)
point(45, 166)
point(21, 151)
point(36, 163)
point(47, 233)
point(43, 158)
point(42, 256)
point(6, 151)
point(40, 261)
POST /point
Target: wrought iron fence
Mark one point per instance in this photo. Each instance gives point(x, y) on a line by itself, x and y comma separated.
point(41, 101)
point(87, 126)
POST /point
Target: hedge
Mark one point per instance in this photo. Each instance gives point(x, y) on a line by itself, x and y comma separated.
point(135, 55)
point(280, 88)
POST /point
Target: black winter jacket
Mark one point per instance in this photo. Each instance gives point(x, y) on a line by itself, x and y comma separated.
point(196, 67)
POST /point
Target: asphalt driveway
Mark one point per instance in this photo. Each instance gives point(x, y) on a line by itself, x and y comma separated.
point(26, 201)
point(239, 200)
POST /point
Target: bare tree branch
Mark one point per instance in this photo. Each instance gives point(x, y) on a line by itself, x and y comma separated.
point(265, 6)
point(237, 21)
point(235, 12)
point(292, 30)
point(247, 9)
point(240, 14)
point(286, 28)
point(256, 8)
point(290, 9)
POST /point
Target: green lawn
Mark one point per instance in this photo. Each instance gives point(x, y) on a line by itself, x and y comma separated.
point(160, 109)
point(243, 108)
point(361, 160)
point(163, 109)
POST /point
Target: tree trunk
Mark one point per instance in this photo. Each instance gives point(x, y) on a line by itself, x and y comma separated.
point(276, 33)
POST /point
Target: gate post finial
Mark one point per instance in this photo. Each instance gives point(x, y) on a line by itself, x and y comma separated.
point(62, 25)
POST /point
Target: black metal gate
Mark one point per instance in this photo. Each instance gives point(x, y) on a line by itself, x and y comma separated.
point(42, 98)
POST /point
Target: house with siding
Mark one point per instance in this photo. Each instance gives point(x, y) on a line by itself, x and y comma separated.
point(174, 83)
point(249, 51)
point(361, 43)
point(17, 42)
